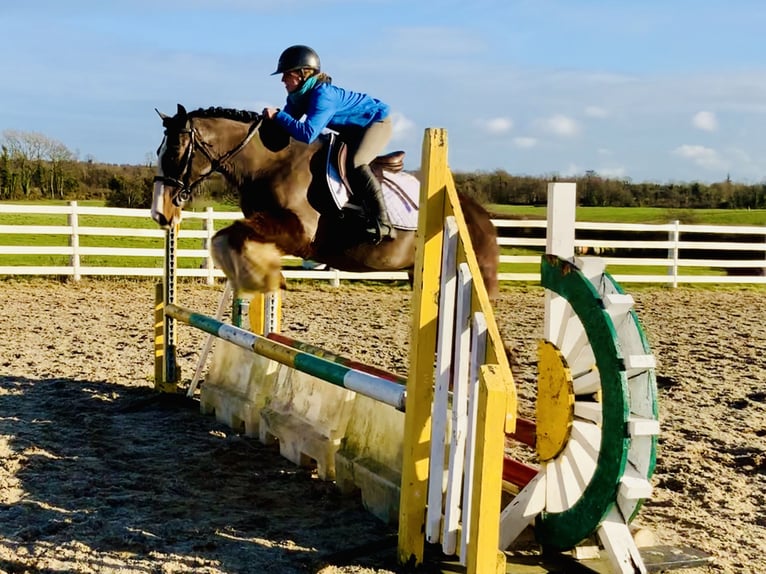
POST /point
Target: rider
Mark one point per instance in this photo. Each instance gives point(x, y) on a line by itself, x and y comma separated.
point(361, 121)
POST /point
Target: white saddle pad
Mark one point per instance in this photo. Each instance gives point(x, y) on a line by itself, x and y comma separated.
point(401, 193)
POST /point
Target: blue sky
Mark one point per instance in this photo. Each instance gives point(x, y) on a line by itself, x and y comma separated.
point(651, 90)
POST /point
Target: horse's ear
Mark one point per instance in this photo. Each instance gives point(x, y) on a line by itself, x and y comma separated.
point(181, 113)
point(162, 116)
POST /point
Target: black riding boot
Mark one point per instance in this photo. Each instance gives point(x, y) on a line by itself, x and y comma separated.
point(367, 186)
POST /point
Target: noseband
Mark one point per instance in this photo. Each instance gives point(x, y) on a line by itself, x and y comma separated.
point(183, 188)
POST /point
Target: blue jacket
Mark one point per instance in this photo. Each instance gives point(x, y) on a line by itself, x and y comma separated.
point(328, 106)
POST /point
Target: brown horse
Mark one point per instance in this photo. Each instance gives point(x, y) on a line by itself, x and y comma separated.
point(284, 196)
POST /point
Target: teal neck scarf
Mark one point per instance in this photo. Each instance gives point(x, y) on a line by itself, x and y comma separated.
point(295, 97)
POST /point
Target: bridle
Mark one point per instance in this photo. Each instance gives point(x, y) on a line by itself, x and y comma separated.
point(183, 187)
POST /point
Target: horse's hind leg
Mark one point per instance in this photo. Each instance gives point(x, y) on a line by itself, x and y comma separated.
point(484, 240)
point(252, 264)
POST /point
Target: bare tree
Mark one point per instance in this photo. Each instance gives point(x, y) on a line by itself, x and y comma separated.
point(61, 160)
point(28, 153)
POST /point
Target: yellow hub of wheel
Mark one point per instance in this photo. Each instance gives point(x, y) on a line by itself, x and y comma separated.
point(555, 401)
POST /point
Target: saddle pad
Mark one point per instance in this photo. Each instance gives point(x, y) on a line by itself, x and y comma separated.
point(401, 193)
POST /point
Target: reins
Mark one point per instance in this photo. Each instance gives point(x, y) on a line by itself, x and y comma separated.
point(184, 189)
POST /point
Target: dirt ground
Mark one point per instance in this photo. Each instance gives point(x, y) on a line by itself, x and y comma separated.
point(99, 475)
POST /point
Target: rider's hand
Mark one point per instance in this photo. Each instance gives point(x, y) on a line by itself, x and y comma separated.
point(269, 113)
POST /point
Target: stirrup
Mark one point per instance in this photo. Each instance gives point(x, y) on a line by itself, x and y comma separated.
point(379, 232)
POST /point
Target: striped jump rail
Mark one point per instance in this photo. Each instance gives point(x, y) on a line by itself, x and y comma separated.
point(336, 358)
point(369, 385)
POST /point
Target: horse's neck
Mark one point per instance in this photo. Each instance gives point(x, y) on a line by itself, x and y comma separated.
point(268, 179)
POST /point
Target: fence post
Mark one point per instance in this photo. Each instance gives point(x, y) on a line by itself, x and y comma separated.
point(674, 251)
point(208, 224)
point(559, 240)
point(74, 241)
point(171, 373)
point(763, 270)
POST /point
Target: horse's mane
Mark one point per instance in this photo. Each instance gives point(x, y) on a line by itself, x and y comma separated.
point(273, 136)
point(226, 113)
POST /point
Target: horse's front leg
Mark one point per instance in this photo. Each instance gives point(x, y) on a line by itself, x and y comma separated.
point(250, 251)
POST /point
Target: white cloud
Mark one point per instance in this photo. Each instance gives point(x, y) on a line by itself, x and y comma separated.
point(705, 121)
point(525, 142)
point(561, 125)
point(611, 172)
point(496, 125)
point(596, 112)
point(572, 170)
point(402, 126)
point(604, 151)
point(702, 156)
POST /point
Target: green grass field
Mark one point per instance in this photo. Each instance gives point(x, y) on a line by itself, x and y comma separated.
point(644, 214)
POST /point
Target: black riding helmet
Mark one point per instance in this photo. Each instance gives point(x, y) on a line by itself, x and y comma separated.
point(297, 57)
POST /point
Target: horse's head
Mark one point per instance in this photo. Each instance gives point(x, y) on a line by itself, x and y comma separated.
point(190, 152)
point(172, 184)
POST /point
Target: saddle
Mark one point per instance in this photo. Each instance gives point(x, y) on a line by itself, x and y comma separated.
point(333, 194)
point(338, 154)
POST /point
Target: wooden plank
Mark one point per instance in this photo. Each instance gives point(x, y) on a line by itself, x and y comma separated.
point(478, 344)
point(495, 350)
point(483, 554)
point(417, 420)
point(444, 374)
point(462, 364)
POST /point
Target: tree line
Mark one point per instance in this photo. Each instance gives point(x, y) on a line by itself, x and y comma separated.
point(33, 166)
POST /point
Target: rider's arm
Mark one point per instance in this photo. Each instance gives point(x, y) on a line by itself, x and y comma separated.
point(321, 109)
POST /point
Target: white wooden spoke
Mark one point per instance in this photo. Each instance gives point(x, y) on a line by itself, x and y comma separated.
point(639, 363)
point(619, 307)
point(586, 461)
point(592, 268)
point(588, 435)
point(637, 457)
point(522, 510)
point(633, 484)
point(568, 479)
point(587, 383)
point(574, 339)
point(640, 426)
point(589, 410)
point(557, 311)
point(584, 361)
point(634, 487)
point(554, 491)
point(630, 336)
point(561, 328)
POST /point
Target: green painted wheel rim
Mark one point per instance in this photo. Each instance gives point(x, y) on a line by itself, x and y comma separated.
point(564, 530)
point(652, 390)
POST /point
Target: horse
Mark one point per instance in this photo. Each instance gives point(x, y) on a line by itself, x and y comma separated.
point(284, 197)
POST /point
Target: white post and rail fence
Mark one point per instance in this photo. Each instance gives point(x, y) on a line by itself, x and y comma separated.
point(76, 241)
